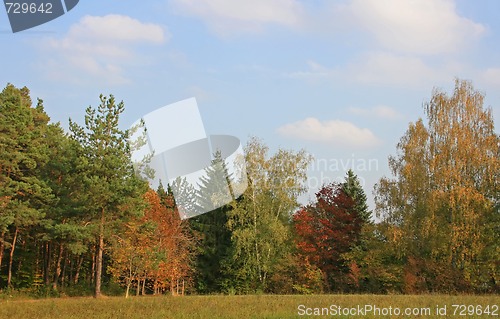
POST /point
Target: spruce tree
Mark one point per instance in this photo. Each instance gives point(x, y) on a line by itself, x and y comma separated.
point(211, 227)
point(352, 187)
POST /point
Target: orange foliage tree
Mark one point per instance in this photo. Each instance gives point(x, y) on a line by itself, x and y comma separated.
point(444, 197)
point(155, 250)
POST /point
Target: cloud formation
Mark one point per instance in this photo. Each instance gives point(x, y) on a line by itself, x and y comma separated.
point(333, 132)
point(425, 27)
point(490, 77)
point(101, 46)
point(116, 27)
point(381, 112)
point(418, 27)
point(380, 69)
point(389, 69)
point(229, 17)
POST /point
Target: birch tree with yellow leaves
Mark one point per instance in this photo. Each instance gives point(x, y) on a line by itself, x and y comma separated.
point(444, 197)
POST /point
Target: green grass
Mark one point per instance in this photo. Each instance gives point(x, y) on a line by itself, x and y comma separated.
point(260, 306)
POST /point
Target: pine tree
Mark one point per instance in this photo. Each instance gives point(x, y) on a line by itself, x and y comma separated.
point(23, 152)
point(63, 229)
point(113, 188)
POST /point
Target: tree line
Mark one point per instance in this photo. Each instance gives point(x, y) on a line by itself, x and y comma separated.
point(75, 218)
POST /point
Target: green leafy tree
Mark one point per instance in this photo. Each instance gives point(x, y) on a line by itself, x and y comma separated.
point(261, 220)
point(113, 190)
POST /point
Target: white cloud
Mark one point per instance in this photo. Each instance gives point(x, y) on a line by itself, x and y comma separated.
point(381, 111)
point(414, 26)
point(315, 72)
point(116, 27)
point(101, 47)
point(381, 69)
point(228, 17)
point(409, 26)
point(334, 132)
point(490, 78)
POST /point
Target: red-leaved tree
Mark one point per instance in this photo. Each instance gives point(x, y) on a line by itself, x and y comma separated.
point(327, 229)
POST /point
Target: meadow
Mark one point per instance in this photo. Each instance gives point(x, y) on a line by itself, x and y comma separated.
point(256, 306)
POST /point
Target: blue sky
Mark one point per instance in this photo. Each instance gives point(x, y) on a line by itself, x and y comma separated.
point(341, 79)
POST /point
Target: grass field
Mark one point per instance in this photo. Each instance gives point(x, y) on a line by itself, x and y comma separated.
point(259, 306)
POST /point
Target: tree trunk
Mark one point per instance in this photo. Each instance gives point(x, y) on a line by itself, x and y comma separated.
point(65, 265)
point(46, 264)
point(20, 263)
point(9, 277)
point(143, 286)
point(71, 273)
point(58, 267)
point(156, 286)
point(92, 273)
point(78, 267)
point(138, 286)
point(2, 247)
point(129, 282)
point(100, 250)
point(172, 291)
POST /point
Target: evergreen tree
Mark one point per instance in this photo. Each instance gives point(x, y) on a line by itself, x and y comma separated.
point(211, 227)
point(63, 230)
point(352, 187)
point(165, 195)
point(24, 196)
point(113, 189)
point(185, 197)
point(214, 188)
